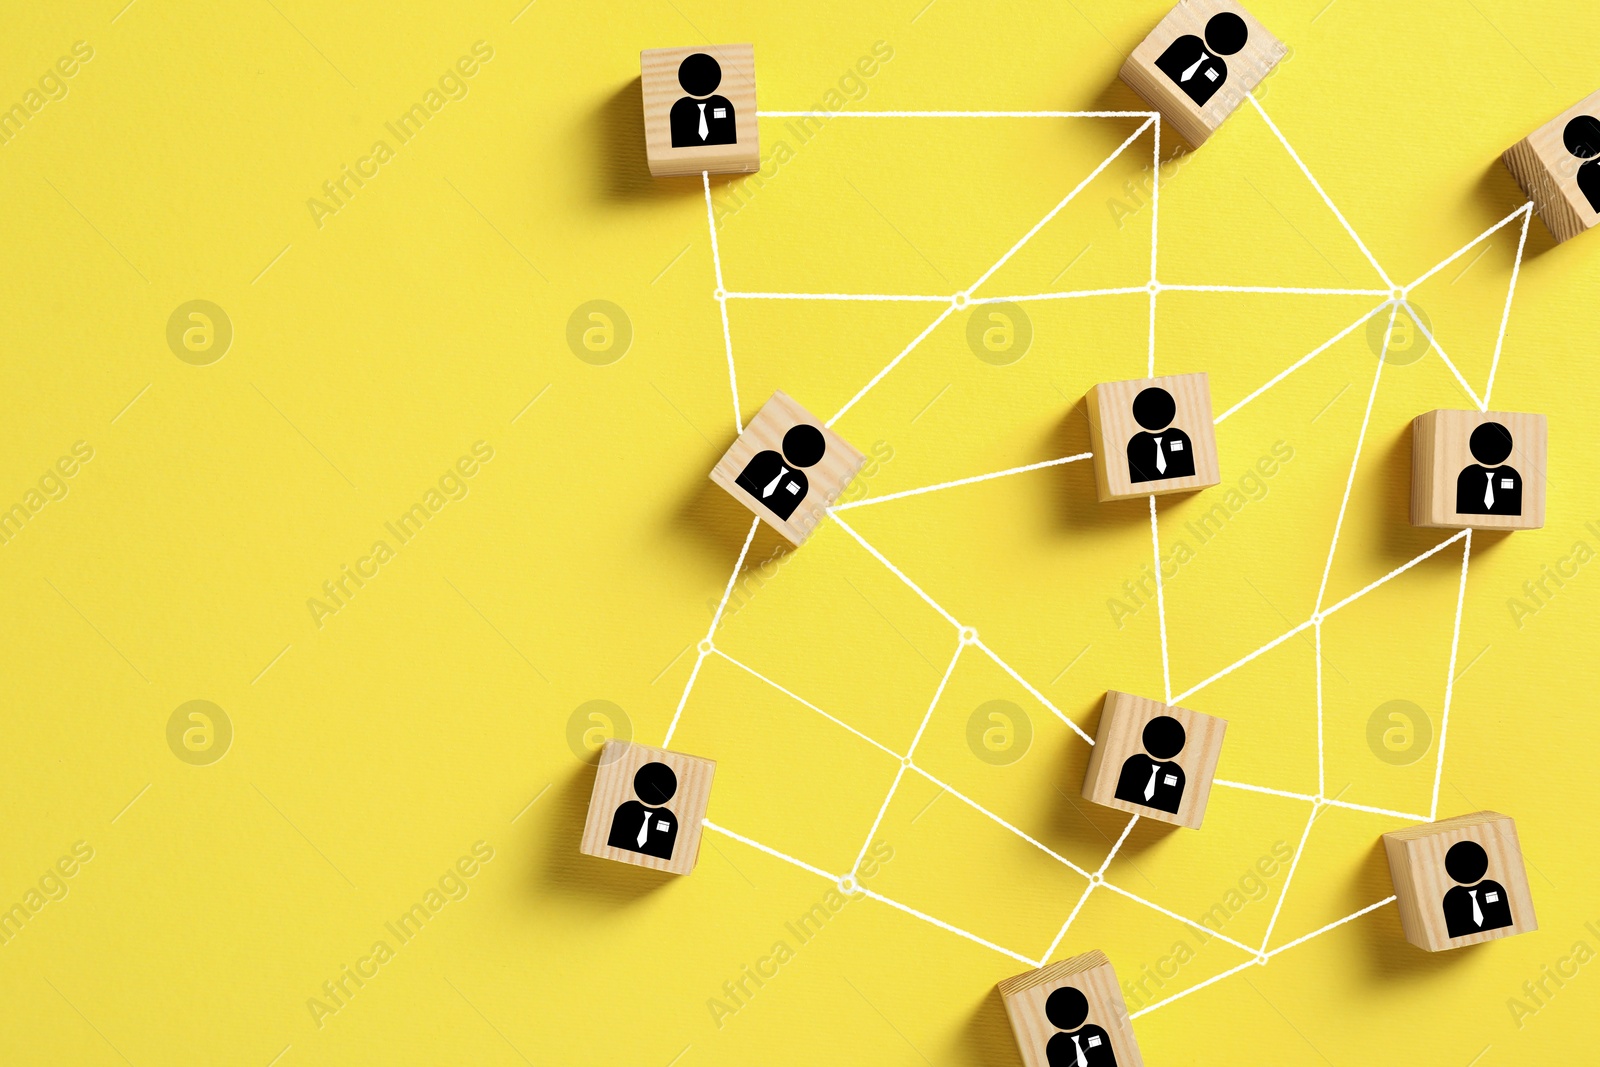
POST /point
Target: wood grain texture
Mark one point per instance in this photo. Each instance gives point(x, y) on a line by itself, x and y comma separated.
point(658, 81)
point(1120, 735)
point(1440, 451)
point(1091, 974)
point(613, 787)
point(1111, 426)
point(1416, 864)
point(1246, 68)
point(1548, 173)
point(825, 480)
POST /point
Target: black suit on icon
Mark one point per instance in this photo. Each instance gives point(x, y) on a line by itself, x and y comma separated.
point(771, 479)
point(1154, 457)
point(1193, 68)
point(1152, 783)
point(1088, 1047)
point(1489, 896)
point(1500, 486)
point(1589, 183)
point(716, 112)
point(648, 831)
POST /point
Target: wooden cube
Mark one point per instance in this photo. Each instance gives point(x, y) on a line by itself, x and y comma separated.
point(1480, 470)
point(1199, 62)
point(1068, 1008)
point(1460, 881)
point(1558, 166)
point(647, 807)
point(1152, 436)
point(700, 109)
point(1154, 760)
point(787, 467)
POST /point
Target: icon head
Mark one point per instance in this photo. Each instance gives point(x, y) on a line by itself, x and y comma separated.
point(1226, 33)
point(803, 445)
point(1164, 737)
point(1154, 408)
point(699, 74)
point(1066, 1008)
point(655, 783)
point(1466, 862)
point(1582, 136)
point(1490, 444)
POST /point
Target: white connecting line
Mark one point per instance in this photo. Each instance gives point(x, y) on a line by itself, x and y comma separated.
point(716, 618)
point(1396, 299)
point(956, 114)
point(722, 304)
point(1155, 227)
point(960, 299)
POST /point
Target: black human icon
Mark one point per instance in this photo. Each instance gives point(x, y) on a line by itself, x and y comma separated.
point(1196, 66)
point(1159, 453)
point(1477, 903)
point(1078, 1045)
point(1582, 136)
point(648, 828)
point(702, 118)
point(1155, 783)
point(775, 479)
point(1487, 487)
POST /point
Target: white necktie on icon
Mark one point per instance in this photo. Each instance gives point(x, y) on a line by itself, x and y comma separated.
point(1477, 912)
point(1150, 789)
point(1161, 468)
point(705, 130)
point(1488, 491)
point(1077, 1049)
point(772, 486)
point(1186, 75)
point(644, 832)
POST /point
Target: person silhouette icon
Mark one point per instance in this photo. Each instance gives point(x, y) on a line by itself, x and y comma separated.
point(1155, 783)
point(1196, 66)
point(1582, 137)
point(775, 479)
point(1078, 1045)
point(702, 118)
point(1159, 453)
point(649, 828)
point(1486, 487)
point(1477, 903)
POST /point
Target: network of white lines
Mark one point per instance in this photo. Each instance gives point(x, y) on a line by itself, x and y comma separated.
point(1393, 299)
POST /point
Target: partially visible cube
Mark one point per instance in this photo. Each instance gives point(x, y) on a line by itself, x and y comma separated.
point(1071, 1012)
point(700, 110)
point(1479, 470)
point(788, 467)
point(1460, 881)
point(1154, 760)
point(1558, 166)
point(1152, 436)
point(647, 807)
point(1199, 63)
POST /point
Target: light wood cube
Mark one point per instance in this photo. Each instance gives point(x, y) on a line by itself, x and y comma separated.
point(1152, 436)
point(1070, 1008)
point(1198, 64)
point(1460, 881)
point(700, 110)
point(647, 807)
point(1154, 760)
point(787, 467)
point(1558, 166)
point(1478, 470)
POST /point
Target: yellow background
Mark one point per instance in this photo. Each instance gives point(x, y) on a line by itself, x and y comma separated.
point(432, 711)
